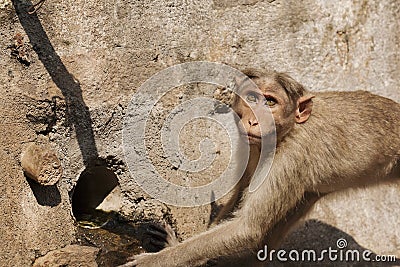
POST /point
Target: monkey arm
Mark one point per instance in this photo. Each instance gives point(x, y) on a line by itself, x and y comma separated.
point(234, 200)
point(281, 192)
point(277, 235)
point(226, 239)
point(240, 187)
point(227, 208)
point(244, 233)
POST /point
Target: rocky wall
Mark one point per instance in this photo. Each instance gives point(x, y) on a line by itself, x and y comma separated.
point(68, 73)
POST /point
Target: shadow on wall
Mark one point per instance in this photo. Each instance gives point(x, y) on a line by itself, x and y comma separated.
point(320, 236)
point(312, 239)
point(45, 195)
point(78, 112)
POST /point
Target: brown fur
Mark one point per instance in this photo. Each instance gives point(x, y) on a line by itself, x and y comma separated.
point(348, 137)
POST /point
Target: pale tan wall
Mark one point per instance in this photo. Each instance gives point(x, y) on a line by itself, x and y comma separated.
point(107, 49)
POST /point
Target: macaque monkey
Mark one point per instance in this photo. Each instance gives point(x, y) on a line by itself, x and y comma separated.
point(326, 141)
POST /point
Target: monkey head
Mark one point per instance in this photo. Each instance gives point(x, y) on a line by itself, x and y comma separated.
point(277, 104)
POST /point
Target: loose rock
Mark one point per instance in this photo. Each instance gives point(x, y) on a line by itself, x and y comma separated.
point(41, 164)
point(71, 256)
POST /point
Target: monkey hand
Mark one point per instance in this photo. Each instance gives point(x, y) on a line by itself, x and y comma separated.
point(144, 260)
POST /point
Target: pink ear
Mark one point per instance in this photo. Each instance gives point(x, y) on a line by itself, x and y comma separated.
point(304, 108)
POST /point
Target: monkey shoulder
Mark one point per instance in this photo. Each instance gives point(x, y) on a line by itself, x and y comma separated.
point(358, 95)
point(357, 103)
point(357, 113)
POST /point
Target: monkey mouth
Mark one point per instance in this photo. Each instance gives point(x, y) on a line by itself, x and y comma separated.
point(249, 135)
point(251, 138)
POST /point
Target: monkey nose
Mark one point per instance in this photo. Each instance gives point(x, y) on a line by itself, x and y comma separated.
point(253, 122)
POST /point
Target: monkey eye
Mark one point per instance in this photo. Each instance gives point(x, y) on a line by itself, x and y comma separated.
point(251, 97)
point(270, 101)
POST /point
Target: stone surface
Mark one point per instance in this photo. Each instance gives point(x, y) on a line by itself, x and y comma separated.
point(366, 217)
point(87, 59)
point(33, 219)
point(112, 202)
point(41, 164)
point(71, 256)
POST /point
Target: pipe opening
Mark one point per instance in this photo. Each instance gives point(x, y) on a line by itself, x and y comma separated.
point(94, 196)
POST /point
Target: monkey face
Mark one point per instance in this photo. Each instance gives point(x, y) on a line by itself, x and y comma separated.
point(264, 112)
point(256, 120)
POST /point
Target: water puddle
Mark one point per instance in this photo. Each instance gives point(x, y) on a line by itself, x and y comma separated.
point(96, 200)
point(118, 239)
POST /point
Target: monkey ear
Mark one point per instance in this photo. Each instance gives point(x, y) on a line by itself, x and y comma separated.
point(304, 108)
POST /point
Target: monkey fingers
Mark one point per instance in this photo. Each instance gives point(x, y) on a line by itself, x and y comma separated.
point(159, 236)
point(171, 236)
point(155, 238)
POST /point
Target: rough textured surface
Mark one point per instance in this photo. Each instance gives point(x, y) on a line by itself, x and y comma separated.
point(70, 78)
point(34, 219)
point(41, 164)
point(366, 218)
point(71, 256)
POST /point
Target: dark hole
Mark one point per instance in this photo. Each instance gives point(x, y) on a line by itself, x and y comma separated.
point(105, 229)
point(94, 184)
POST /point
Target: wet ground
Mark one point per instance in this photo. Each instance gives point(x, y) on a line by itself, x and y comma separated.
point(116, 237)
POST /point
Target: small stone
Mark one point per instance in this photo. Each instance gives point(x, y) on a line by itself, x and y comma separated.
point(41, 164)
point(71, 256)
point(112, 202)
